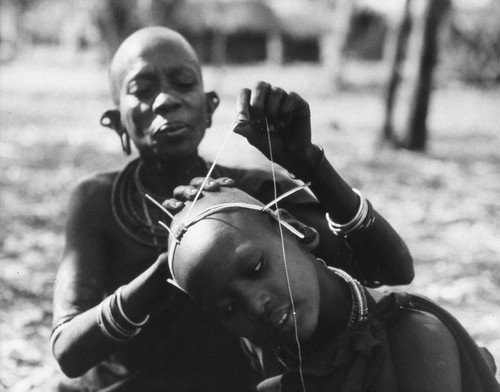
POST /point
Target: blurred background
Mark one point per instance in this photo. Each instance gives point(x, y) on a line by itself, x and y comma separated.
point(405, 99)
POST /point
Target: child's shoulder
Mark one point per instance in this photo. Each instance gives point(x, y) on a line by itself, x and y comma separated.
point(424, 352)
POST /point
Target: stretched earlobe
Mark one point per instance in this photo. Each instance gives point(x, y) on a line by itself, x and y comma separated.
point(125, 139)
point(111, 119)
point(212, 102)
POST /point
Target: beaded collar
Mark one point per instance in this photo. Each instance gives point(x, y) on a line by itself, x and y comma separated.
point(359, 313)
point(359, 310)
point(130, 208)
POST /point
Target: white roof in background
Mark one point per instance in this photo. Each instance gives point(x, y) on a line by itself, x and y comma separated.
point(395, 7)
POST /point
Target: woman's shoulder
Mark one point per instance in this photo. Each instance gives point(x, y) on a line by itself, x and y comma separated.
point(99, 182)
point(93, 191)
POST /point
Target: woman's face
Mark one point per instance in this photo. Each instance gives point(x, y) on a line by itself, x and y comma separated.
point(161, 100)
point(235, 268)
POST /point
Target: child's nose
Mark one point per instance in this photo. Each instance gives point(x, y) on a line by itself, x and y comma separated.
point(258, 306)
point(166, 102)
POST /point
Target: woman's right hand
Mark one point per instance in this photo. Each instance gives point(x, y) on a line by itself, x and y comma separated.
point(184, 193)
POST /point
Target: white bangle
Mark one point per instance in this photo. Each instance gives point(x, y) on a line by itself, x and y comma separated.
point(122, 331)
point(361, 221)
point(122, 313)
point(104, 328)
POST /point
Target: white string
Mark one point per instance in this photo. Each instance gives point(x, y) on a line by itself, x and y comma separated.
point(286, 194)
point(299, 352)
point(165, 226)
point(275, 201)
point(226, 138)
point(151, 199)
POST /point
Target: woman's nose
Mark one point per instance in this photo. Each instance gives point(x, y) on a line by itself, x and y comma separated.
point(166, 102)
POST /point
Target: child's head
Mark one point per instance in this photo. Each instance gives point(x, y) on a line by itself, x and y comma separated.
point(157, 87)
point(231, 261)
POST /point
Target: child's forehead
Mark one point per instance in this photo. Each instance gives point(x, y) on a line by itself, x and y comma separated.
point(227, 228)
point(228, 234)
point(218, 247)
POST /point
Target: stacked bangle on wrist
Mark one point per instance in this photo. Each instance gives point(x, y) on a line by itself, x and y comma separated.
point(114, 323)
point(363, 220)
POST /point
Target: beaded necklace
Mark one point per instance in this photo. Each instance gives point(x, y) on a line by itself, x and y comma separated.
point(131, 211)
point(359, 312)
point(359, 309)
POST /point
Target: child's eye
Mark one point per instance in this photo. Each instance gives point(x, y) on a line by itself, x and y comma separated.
point(257, 268)
point(227, 311)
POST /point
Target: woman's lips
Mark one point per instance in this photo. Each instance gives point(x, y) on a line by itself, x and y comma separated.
point(168, 130)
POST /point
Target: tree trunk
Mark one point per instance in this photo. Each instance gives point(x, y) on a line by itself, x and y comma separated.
point(332, 45)
point(400, 50)
point(416, 137)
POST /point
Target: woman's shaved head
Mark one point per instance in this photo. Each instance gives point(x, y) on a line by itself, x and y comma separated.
point(145, 41)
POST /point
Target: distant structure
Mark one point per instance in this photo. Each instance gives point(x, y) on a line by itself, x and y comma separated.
point(242, 31)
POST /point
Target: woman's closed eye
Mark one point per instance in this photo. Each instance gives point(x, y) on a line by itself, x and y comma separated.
point(141, 89)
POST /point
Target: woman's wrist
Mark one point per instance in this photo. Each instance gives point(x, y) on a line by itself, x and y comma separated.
point(313, 156)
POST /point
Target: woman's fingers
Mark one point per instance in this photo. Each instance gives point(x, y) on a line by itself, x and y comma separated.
point(173, 205)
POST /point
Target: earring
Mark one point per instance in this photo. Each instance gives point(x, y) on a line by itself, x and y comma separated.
point(125, 139)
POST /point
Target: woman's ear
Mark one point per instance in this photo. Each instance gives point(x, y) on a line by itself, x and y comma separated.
point(311, 235)
point(212, 102)
point(111, 119)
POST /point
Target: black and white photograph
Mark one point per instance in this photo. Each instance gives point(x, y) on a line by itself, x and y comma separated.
point(250, 195)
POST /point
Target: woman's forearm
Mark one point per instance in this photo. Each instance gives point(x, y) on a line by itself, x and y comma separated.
point(380, 254)
point(80, 343)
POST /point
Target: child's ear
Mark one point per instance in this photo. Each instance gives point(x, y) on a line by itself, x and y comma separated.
point(212, 101)
point(311, 235)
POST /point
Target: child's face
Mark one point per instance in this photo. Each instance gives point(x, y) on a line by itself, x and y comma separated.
point(161, 99)
point(233, 265)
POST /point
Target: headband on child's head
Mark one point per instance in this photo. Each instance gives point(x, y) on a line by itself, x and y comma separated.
point(214, 210)
point(190, 221)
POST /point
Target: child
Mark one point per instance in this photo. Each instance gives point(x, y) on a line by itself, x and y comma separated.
point(247, 265)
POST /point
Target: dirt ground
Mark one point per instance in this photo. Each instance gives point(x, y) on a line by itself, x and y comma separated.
point(445, 203)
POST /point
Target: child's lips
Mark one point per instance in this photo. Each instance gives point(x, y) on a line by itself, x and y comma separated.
point(282, 318)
